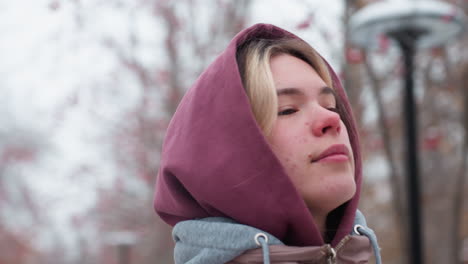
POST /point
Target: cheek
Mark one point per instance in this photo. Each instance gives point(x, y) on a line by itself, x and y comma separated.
point(346, 139)
point(288, 135)
point(278, 142)
point(288, 146)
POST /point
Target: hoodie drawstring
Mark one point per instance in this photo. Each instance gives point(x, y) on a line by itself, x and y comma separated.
point(262, 240)
point(360, 230)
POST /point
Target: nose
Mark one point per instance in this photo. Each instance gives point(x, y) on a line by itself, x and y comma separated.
point(326, 121)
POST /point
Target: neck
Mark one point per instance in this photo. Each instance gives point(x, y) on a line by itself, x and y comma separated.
point(321, 222)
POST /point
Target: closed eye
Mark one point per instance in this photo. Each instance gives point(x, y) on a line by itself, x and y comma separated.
point(333, 109)
point(288, 111)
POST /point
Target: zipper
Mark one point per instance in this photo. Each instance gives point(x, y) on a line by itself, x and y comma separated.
point(342, 243)
point(331, 252)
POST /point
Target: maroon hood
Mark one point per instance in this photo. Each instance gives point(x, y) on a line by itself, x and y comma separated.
point(216, 162)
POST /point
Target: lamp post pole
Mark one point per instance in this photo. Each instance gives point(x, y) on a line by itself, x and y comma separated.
point(407, 40)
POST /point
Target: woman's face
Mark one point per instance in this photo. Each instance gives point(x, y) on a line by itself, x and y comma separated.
point(309, 137)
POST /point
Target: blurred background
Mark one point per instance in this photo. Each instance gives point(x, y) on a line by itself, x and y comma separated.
point(87, 88)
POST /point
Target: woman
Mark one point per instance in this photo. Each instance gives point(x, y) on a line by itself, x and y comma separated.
point(261, 160)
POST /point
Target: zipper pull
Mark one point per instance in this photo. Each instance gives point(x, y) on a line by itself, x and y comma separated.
point(331, 256)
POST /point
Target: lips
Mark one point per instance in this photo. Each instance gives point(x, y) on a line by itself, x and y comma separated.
point(337, 153)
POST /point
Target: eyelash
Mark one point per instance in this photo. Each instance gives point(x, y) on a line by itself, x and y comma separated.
point(288, 111)
point(333, 109)
point(291, 111)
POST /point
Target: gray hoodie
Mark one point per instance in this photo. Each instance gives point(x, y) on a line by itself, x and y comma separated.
point(217, 240)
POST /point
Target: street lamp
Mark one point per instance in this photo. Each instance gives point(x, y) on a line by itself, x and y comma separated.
point(412, 24)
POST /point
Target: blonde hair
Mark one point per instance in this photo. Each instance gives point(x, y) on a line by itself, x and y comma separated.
point(254, 57)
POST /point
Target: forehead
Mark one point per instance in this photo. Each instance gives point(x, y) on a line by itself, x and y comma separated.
point(290, 71)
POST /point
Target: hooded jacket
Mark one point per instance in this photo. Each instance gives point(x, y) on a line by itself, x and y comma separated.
point(216, 162)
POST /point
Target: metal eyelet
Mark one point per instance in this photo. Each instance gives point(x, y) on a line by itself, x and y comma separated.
point(356, 227)
point(257, 236)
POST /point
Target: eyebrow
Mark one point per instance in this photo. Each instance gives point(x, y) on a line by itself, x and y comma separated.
point(296, 91)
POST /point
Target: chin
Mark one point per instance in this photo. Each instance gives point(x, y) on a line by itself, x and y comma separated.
point(329, 199)
point(347, 194)
point(345, 191)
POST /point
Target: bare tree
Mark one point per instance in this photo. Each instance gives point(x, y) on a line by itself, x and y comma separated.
point(188, 46)
point(20, 214)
